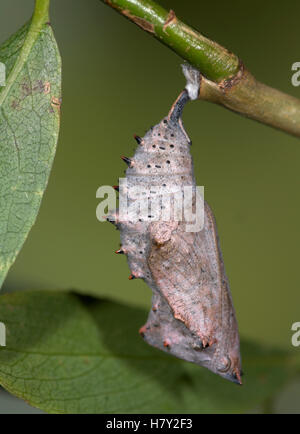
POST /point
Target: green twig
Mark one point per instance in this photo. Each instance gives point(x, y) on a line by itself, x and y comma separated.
point(224, 79)
point(214, 61)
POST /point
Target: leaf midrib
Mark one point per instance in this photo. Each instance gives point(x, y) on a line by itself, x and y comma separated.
point(38, 21)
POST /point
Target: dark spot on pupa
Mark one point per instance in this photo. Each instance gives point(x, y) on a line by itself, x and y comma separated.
point(172, 135)
point(171, 146)
point(153, 146)
point(168, 161)
point(165, 121)
point(148, 165)
point(156, 165)
point(164, 185)
point(162, 148)
point(158, 134)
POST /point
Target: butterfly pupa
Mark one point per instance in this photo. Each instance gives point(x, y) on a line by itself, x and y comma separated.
point(192, 315)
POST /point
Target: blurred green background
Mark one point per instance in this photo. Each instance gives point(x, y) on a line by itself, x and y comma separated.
point(118, 81)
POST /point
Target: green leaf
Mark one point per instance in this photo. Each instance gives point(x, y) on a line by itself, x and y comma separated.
point(29, 125)
point(72, 354)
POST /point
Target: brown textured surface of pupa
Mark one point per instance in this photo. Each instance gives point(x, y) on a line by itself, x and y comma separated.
point(192, 315)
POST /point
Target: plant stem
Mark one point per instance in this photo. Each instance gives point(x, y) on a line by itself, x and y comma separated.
point(41, 13)
point(247, 96)
point(214, 61)
point(224, 79)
